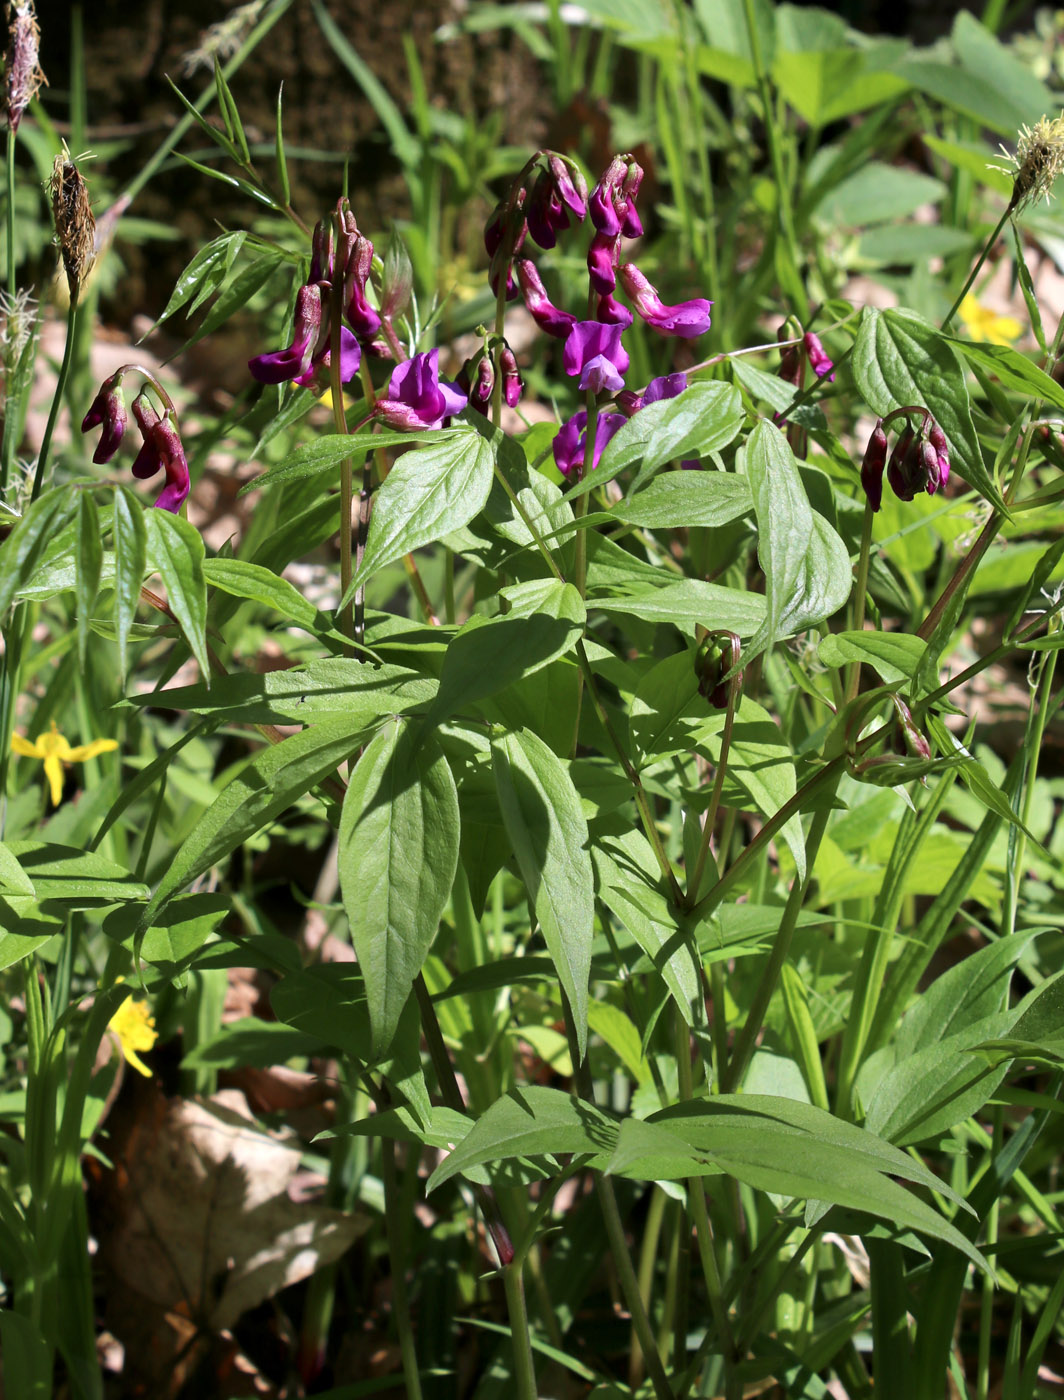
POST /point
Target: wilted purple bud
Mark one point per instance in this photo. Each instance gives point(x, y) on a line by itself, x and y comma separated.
point(570, 444)
point(162, 448)
point(939, 442)
point(501, 248)
point(594, 351)
point(819, 361)
point(875, 458)
point(687, 319)
point(476, 378)
point(905, 469)
point(512, 386)
point(108, 408)
point(790, 370)
point(416, 397)
point(321, 259)
point(363, 319)
point(546, 315)
point(570, 184)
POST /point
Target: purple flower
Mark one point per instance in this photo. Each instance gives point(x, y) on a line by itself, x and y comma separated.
point(108, 408)
point(938, 441)
point(602, 258)
point(162, 448)
point(819, 361)
point(611, 311)
point(594, 351)
point(569, 184)
point(570, 443)
point(612, 203)
point(416, 398)
point(686, 319)
point(874, 461)
point(511, 377)
point(311, 347)
point(363, 319)
point(905, 469)
point(666, 386)
point(547, 316)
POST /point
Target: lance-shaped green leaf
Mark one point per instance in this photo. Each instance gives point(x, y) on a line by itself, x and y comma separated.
point(900, 359)
point(1014, 370)
point(703, 419)
point(398, 851)
point(429, 492)
point(202, 277)
point(545, 822)
point(690, 602)
point(895, 655)
point(270, 782)
point(78, 878)
point(324, 455)
point(13, 879)
point(806, 566)
point(530, 1122)
point(25, 546)
point(175, 551)
point(88, 555)
point(131, 561)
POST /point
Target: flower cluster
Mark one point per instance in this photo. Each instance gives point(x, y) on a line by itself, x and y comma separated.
point(350, 258)
point(161, 447)
point(593, 351)
point(919, 462)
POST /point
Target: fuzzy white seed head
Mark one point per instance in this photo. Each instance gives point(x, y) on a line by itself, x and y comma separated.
point(1039, 159)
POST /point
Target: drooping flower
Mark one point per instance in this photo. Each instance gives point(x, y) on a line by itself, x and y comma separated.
point(311, 347)
point(937, 438)
point(983, 324)
point(363, 318)
point(686, 319)
point(602, 258)
point(919, 462)
point(593, 350)
point(416, 397)
point(161, 448)
point(53, 748)
point(819, 361)
point(512, 387)
point(108, 408)
point(612, 203)
point(875, 459)
point(547, 316)
point(134, 1026)
point(570, 444)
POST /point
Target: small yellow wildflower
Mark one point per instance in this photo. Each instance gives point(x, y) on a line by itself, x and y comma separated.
point(55, 751)
point(134, 1026)
point(983, 324)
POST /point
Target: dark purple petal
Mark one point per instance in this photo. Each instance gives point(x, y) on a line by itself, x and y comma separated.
point(601, 260)
point(666, 386)
point(570, 443)
point(416, 398)
point(593, 350)
point(569, 184)
point(546, 315)
point(108, 408)
point(875, 458)
point(602, 204)
point(612, 312)
point(295, 360)
point(687, 319)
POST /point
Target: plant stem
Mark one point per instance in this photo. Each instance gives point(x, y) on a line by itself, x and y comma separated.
point(10, 412)
point(348, 623)
point(695, 883)
point(524, 1369)
point(988, 245)
point(393, 1224)
point(853, 683)
point(60, 389)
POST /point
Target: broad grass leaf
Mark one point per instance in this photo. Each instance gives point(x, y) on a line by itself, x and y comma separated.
point(899, 359)
point(429, 492)
point(545, 822)
point(175, 552)
point(88, 555)
point(530, 1122)
point(131, 562)
point(25, 546)
point(398, 852)
point(272, 779)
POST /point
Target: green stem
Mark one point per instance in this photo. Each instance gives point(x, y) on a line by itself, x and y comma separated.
point(348, 624)
point(393, 1224)
point(695, 884)
point(853, 683)
point(60, 390)
point(1036, 720)
point(766, 986)
point(10, 412)
point(975, 270)
point(524, 1370)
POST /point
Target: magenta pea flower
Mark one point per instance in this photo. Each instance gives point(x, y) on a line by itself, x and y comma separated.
point(570, 444)
point(602, 256)
point(612, 203)
point(937, 439)
point(547, 316)
point(593, 350)
point(417, 398)
point(819, 361)
point(875, 459)
point(108, 408)
point(310, 350)
point(161, 448)
point(687, 319)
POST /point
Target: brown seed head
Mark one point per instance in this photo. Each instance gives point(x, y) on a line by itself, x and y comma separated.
point(75, 227)
point(22, 71)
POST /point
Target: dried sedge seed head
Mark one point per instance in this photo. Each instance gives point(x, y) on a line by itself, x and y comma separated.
point(21, 69)
point(75, 227)
point(1039, 159)
point(18, 315)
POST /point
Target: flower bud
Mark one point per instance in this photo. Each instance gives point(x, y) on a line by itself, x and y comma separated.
point(875, 458)
point(321, 260)
point(512, 387)
point(108, 408)
point(819, 361)
point(716, 656)
point(905, 470)
point(363, 319)
point(938, 441)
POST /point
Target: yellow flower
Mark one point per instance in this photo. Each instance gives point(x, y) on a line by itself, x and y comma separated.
point(55, 751)
point(983, 324)
point(134, 1025)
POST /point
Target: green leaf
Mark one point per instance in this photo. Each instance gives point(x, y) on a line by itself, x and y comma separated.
point(250, 1041)
point(429, 492)
point(895, 655)
point(545, 822)
point(488, 654)
point(180, 930)
point(686, 499)
point(79, 879)
point(13, 879)
point(877, 193)
point(1014, 370)
point(88, 553)
point(529, 1122)
point(690, 603)
point(207, 271)
point(325, 454)
point(806, 566)
point(131, 562)
point(243, 287)
point(398, 851)
point(242, 579)
point(703, 419)
point(32, 534)
point(274, 778)
point(175, 552)
point(899, 359)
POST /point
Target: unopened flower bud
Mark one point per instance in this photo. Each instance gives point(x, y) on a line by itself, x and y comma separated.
point(819, 361)
point(109, 409)
point(715, 657)
point(512, 387)
point(938, 441)
point(363, 319)
point(905, 469)
point(875, 458)
point(321, 260)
